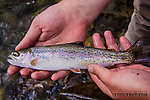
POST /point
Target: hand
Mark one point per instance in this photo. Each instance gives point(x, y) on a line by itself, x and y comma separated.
point(64, 22)
point(132, 79)
point(51, 27)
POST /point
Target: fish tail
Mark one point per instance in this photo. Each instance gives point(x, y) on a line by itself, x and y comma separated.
point(141, 51)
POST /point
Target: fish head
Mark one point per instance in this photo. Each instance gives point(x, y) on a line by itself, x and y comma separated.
point(21, 58)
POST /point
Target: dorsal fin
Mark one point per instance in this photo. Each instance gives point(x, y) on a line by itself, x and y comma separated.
point(77, 43)
point(112, 49)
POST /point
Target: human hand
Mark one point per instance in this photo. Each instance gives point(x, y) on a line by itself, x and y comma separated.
point(126, 82)
point(51, 27)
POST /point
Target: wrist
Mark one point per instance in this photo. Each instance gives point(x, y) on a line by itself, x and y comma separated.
point(86, 10)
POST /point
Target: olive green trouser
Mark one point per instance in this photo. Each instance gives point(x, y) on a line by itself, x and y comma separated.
point(140, 21)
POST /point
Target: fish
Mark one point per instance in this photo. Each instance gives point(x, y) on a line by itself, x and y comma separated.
point(73, 56)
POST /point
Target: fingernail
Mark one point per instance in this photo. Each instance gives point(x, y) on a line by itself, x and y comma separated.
point(16, 48)
point(90, 68)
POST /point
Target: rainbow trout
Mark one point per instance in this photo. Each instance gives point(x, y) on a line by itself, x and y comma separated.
point(74, 56)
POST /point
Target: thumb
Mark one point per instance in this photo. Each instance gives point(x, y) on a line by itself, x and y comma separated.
point(31, 37)
point(102, 73)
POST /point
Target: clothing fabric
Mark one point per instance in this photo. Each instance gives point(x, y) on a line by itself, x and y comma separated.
point(139, 25)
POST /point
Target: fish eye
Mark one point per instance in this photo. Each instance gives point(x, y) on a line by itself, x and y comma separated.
point(16, 54)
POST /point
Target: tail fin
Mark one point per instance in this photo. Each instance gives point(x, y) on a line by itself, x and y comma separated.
point(141, 51)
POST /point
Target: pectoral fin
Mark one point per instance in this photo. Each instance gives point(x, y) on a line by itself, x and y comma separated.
point(34, 62)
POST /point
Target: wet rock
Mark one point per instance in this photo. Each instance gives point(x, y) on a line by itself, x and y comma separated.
point(81, 87)
point(17, 87)
point(73, 87)
point(2, 35)
point(115, 17)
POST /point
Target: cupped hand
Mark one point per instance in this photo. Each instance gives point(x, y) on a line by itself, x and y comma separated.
point(51, 27)
point(125, 82)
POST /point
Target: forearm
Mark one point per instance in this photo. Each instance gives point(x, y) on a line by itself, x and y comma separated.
point(86, 9)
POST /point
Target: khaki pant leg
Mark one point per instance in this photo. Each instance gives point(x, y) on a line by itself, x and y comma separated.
point(140, 21)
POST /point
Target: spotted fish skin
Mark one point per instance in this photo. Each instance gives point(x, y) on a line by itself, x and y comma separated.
point(64, 57)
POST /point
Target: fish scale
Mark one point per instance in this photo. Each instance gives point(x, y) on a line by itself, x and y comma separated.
point(67, 56)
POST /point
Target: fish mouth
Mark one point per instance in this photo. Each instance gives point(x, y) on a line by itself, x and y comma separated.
point(10, 59)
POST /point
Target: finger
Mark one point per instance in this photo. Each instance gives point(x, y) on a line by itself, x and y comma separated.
point(111, 43)
point(139, 66)
point(100, 84)
point(26, 72)
point(125, 43)
point(97, 40)
point(102, 73)
point(13, 69)
point(59, 75)
point(31, 37)
point(41, 75)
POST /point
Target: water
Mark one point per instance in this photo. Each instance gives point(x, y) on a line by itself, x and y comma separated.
point(15, 19)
